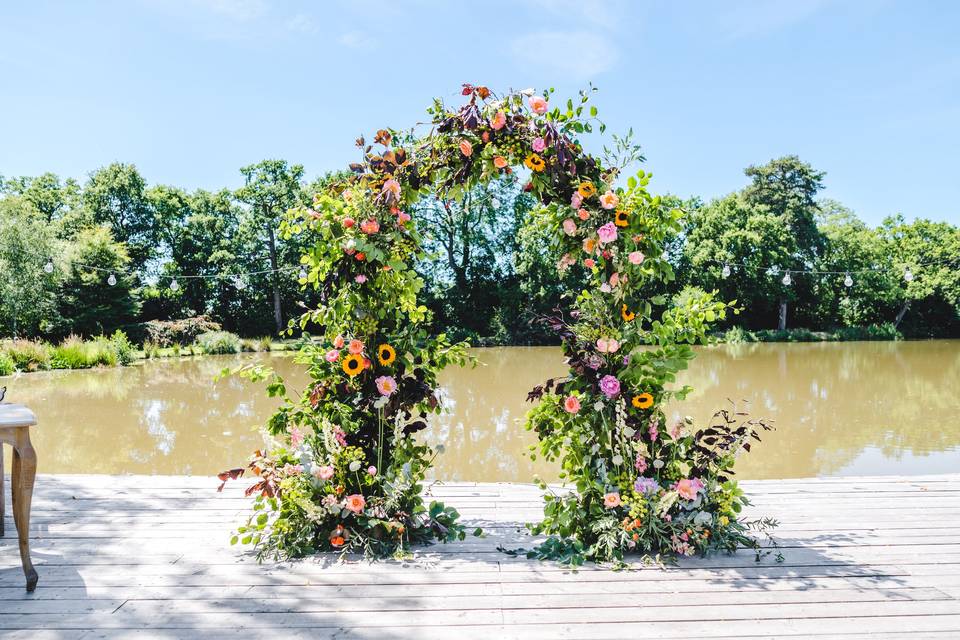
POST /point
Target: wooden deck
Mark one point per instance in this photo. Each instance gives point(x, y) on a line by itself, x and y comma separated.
point(148, 557)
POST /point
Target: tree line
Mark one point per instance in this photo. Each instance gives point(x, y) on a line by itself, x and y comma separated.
point(490, 271)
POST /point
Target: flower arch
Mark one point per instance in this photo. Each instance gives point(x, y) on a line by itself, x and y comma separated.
point(343, 471)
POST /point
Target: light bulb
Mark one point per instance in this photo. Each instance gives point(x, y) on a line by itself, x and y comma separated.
point(495, 203)
point(848, 281)
point(787, 279)
point(726, 271)
point(239, 283)
point(48, 267)
point(112, 280)
point(303, 274)
point(908, 275)
point(174, 285)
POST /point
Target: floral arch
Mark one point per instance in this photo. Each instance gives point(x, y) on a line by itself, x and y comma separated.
point(343, 470)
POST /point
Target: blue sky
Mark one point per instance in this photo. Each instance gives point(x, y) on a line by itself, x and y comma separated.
point(190, 90)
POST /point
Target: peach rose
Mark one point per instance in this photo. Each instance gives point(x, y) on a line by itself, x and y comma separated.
point(498, 121)
point(583, 214)
point(355, 503)
point(466, 148)
point(571, 404)
point(499, 162)
point(635, 257)
point(539, 104)
point(609, 200)
point(569, 227)
point(611, 500)
point(338, 342)
point(355, 347)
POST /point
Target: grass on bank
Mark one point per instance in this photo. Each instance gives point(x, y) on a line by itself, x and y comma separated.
point(116, 350)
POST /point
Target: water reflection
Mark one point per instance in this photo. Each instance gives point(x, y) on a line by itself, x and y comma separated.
point(852, 408)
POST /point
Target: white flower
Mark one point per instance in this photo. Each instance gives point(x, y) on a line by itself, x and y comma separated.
point(618, 459)
point(658, 464)
point(355, 465)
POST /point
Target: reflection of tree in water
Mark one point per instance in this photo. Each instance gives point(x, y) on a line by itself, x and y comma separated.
point(482, 428)
point(831, 401)
point(164, 416)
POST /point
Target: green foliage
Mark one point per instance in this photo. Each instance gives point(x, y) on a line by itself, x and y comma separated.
point(7, 367)
point(164, 333)
point(27, 292)
point(218, 342)
point(27, 355)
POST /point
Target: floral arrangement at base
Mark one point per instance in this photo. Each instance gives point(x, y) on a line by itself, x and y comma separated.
point(343, 469)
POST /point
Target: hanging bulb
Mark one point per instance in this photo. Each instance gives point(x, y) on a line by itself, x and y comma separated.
point(787, 279)
point(495, 203)
point(112, 280)
point(239, 283)
point(174, 285)
point(848, 281)
point(48, 267)
point(303, 274)
point(726, 271)
point(908, 275)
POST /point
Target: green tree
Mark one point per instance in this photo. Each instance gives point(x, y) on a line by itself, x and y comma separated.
point(271, 187)
point(89, 304)
point(47, 193)
point(116, 196)
point(27, 292)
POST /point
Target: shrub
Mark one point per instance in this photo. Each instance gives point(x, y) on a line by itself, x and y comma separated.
point(27, 355)
point(6, 365)
point(166, 333)
point(885, 331)
point(218, 342)
point(738, 335)
point(122, 347)
point(75, 353)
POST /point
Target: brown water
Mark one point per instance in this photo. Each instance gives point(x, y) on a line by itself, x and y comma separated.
point(840, 409)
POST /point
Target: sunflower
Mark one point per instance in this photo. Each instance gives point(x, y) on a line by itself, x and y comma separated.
point(353, 364)
point(642, 401)
point(626, 314)
point(586, 189)
point(621, 219)
point(386, 355)
point(535, 163)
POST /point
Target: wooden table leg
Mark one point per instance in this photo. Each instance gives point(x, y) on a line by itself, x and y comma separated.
point(3, 506)
point(22, 476)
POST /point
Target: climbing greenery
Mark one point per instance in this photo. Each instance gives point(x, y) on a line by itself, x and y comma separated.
point(343, 470)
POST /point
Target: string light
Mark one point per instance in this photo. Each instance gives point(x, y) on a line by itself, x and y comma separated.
point(302, 274)
point(174, 285)
point(239, 283)
point(908, 275)
point(112, 280)
point(848, 281)
point(787, 279)
point(48, 267)
point(495, 203)
point(725, 272)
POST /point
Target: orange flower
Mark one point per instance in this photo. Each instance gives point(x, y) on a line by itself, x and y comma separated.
point(355, 346)
point(589, 245)
point(355, 503)
point(642, 401)
point(621, 219)
point(626, 314)
point(499, 162)
point(466, 148)
point(586, 189)
point(338, 537)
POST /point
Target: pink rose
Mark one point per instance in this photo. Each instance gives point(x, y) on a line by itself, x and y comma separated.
point(688, 489)
point(607, 233)
point(583, 214)
point(338, 342)
point(355, 347)
point(569, 227)
point(498, 121)
point(576, 200)
point(348, 223)
point(466, 148)
point(539, 144)
point(609, 385)
point(332, 356)
point(355, 503)
point(609, 200)
point(589, 263)
point(615, 279)
point(538, 104)
point(324, 473)
point(635, 257)
point(607, 345)
point(571, 404)
point(369, 226)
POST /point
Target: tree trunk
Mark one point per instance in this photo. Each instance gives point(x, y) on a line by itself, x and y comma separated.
point(901, 313)
point(277, 311)
point(782, 324)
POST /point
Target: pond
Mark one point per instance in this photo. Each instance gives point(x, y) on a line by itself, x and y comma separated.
point(856, 408)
